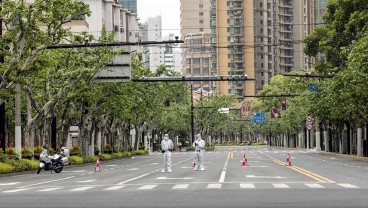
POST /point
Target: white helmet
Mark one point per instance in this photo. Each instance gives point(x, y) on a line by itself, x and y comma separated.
point(166, 137)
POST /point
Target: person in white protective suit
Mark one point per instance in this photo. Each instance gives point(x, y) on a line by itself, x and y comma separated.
point(44, 155)
point(167, 146)
point(199, 145)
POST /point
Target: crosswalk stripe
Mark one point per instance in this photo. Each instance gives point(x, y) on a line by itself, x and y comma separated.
point(49, 189)
point(347, 185)
point(214, 186)
point(181, 186)
point(113, 188)
point(15, 190)
point(314, 185)
point(280, 185)
point(146, 187)
point(82, 188)
point(247, 185)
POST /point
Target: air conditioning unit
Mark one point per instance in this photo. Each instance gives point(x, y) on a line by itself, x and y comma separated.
point(116, 28)
point(122, 29)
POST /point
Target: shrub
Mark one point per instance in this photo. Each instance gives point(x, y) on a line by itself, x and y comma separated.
point(105, 157)
point(107, 149)
point(97, 151)
point(6, 168)
point(126, 154)
point(75, 160)
point(140, 152)
point(27, 153)
point(37, 152)
point(209, 148)
point(90, 159)
point(32, 164)
point(12, 154)
point(117, 155)
point(19, 165)
point(3, 156)
point(115, 148)
point(76, 151)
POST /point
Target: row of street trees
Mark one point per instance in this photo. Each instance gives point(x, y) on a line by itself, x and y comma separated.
point(339, 108)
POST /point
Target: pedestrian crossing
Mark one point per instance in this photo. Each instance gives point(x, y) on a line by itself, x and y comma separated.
point(189, 186)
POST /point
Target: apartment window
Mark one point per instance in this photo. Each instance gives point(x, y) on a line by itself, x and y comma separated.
point(261, 65)
point(200, 29)
point(200, 13)
point(200, 21)
point(261, 22)
point(261, 13)
point(261, 56)
point(262, 82)
point(262, 74)
point(200, 5)
point(261, 30)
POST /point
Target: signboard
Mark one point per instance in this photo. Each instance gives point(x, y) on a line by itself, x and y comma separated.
point(275, 113)
point(312, 87)
point(258, 118)
point(224, 110)
point(117, 71)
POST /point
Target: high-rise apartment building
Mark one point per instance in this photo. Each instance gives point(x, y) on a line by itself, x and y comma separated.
point(233, 45)
point(280, 29)
point(196, 33)
point(131, 5)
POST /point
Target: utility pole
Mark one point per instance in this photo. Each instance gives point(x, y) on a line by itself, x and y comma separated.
point(192, 111)
point(18, 120)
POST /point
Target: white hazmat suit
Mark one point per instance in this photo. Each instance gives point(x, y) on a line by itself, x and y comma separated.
point(167, 146)
point(199, 148)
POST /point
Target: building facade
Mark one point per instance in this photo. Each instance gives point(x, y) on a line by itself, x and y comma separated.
point(196, 33)
point(130, 5)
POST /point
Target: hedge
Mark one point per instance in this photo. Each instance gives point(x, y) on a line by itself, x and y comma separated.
point(140, 152)
point(6, 168)
point(23, 164)
point(105, 156)
point(75, 160)
point(90, 159)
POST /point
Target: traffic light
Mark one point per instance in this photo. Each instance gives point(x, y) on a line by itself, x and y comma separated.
point(283, 104)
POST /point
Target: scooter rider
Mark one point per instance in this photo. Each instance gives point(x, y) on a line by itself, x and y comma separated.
point(167, 146)
point(199, 147)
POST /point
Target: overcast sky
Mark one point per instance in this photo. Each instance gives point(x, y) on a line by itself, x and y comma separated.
point(168, 9)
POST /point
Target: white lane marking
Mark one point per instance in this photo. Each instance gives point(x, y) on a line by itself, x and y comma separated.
point(347, 185)
point(181, 186)
point(35, 184)
point(111, 165)
point(9, 184)
point(90, 173)
point(133, 169)
point(166, 178)
point(87, 181)
point(214, 186)
point(82, 188)
point(113, 188)
point(49, 189)
point(147, 187)
point(74, 171)
point(253, 176)
point(246, 185)
point(82, 174)
point(223, 173)
point(14, 190)
point(112, 168)
point(280, 185)
point(132, 179)
point(314, 185)
point(332, 158)
point(187, 167)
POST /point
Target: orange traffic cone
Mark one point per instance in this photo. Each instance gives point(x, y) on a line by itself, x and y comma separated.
point(244, 162)
point(98, 167)
point(288, 160)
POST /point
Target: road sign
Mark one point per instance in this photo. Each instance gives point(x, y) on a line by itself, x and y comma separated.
point(309, 122)
point(312, 87)
point(223, 110)
point(117, 71)
point(309, 126)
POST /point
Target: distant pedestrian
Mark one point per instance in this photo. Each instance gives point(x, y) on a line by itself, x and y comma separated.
point(179, 145)
point(199, 147)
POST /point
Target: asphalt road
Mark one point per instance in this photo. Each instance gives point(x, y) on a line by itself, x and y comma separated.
point(313, 180)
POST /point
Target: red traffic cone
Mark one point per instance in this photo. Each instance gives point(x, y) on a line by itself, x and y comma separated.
point(288, 160)
point(98, 167)
point(244, 162)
